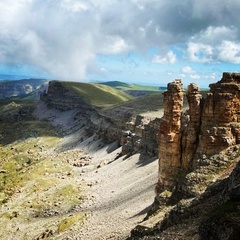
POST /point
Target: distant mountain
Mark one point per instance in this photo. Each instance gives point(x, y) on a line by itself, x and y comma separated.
point(12, 77)
point(135, 90)
point(116, 84)
point(125, 86)
point(24, 88)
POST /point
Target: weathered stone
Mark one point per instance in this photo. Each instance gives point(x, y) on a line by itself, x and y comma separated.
point(190, 133)
point(61, 98)
point(233, 189)
point(170, 136)
point(220, 121)
point(140, 136)
point(210, 126)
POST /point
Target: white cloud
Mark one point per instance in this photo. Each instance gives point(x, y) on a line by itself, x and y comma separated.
point(114, 45)
point(75, 5)
point(64, 37)
point(188, 69)
point(170, 58)
point(214, 35)
point(195, 76)
point(182, 75)
point(199, 52)
point(229, 52)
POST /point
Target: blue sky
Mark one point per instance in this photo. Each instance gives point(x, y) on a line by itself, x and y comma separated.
point(139, 41)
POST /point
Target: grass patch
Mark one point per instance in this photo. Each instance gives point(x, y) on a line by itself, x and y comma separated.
point(11, 132)
point(22, 162)
point(67, 222)
point(98, 95)
point(125, 86)
point(38, 188)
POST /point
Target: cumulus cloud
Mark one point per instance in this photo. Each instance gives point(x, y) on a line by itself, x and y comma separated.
point(199, 52)
point(229, 52)
point(170, 58)
point(214, 44)
point(64, 37)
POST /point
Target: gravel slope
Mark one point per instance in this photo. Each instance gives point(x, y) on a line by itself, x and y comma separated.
point(118, 195)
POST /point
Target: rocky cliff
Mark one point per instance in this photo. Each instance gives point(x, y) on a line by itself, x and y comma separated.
point(140, 135)
point(170, 136)
point(61, 98)
point(211, 125)
point(134, 133)
point(197, 194)
point(22, 88)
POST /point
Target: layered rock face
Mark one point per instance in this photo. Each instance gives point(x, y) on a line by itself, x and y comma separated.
point(140, 136)
point(61, 98)
point(192, 127)
point(220, 127)
point(170, 136)
point(211, 125)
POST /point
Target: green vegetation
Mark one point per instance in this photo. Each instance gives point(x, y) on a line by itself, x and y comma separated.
point(13, 103)
point(124, 86)
point(26, 129)
point(98, 95)
point(38, 187)
point(70, 220)
point(17, 122)
point(18, 161)
point(148, 103)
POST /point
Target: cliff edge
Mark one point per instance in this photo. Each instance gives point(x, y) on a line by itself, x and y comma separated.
point(198, 154)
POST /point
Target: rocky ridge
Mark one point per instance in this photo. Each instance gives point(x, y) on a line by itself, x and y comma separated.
point(198, 150)
point(57, 173)
point(134, 133)
point(22, 88)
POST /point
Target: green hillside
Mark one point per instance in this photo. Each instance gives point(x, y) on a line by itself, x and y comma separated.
point(124, 86)
point(98, 95)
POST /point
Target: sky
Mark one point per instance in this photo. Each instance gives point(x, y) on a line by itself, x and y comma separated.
point(137, 41)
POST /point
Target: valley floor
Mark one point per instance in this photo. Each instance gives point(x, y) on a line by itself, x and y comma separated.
point(66, 188)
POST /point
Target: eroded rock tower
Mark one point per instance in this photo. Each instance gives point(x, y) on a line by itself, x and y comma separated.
point(211, 125)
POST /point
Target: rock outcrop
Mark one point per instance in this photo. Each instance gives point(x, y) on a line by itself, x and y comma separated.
point(223, 221)
point(210, 126)
point(198, 193)
point(62, 98)
point(22, 88)
point(170, 136)
point(141, 136)
point(220, 127)
point(138, 134)
point(190, 136)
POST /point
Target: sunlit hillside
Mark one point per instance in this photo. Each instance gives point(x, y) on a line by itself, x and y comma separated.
point(98, 95)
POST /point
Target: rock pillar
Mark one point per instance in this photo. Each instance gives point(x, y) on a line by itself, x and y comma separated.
point(170, 137)
point(191, 131)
